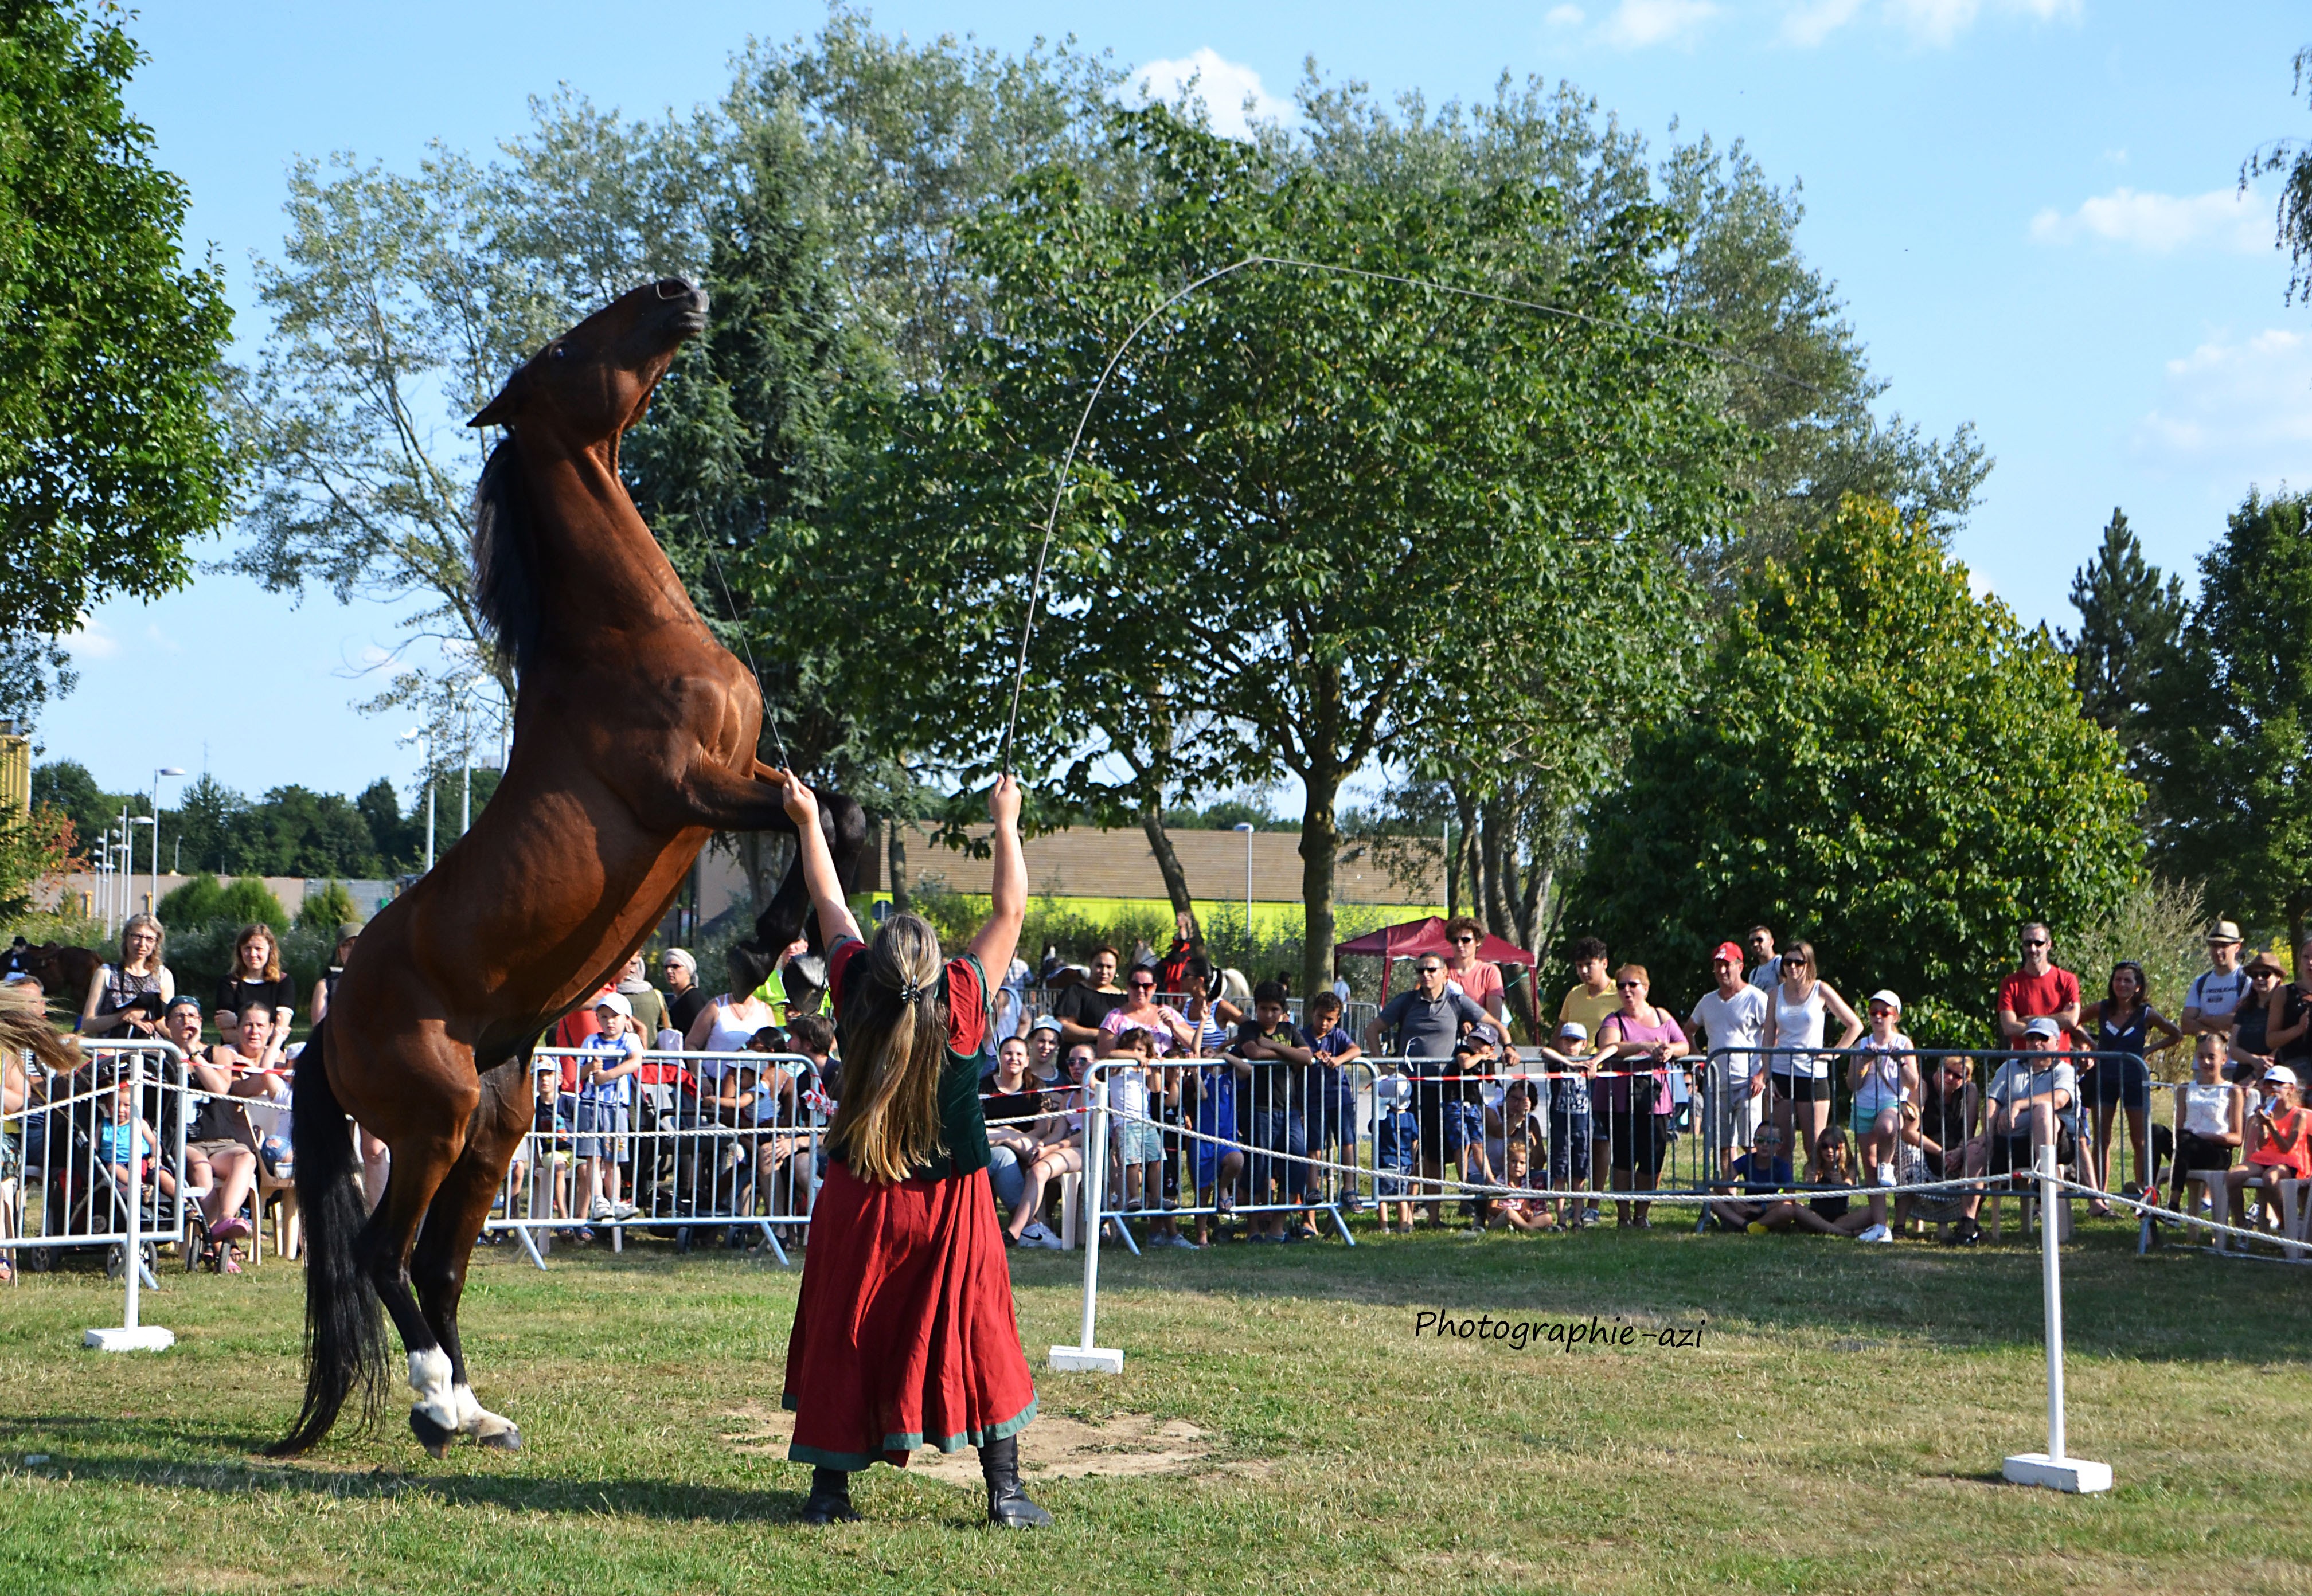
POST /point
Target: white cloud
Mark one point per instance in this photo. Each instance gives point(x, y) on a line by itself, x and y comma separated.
point(1638, 23)
point(1808, 25)
point(2240, 410)
point(92, 642)
point(1566, 16)
point(1938, 23)
point(2162, 222)
point(1230, 90)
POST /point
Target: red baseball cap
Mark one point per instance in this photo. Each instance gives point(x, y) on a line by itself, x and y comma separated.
point(1730, 953)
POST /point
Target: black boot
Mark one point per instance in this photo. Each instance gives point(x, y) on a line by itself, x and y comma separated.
point(1008, 1506)
point(829, 1502)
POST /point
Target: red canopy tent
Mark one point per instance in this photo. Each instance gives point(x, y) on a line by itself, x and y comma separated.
point(1415, 938)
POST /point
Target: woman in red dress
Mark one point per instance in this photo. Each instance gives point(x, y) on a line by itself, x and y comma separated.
point(906, 1335)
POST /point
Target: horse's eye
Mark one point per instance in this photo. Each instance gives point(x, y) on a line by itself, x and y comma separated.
point(559, 351)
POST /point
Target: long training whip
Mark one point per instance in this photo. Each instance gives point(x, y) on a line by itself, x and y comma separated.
point(1076, 439)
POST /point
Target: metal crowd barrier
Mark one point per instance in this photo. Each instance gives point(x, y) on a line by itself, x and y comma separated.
point(62, 1189)
point(681, 1165)
point(1948, 1124)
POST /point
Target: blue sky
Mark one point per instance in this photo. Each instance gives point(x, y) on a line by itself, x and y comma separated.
point(2027, 205)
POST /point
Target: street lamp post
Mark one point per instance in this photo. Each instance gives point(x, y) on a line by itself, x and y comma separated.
point(155, 822)
point(166, 769)
point(424, 742)
point(1246, 826)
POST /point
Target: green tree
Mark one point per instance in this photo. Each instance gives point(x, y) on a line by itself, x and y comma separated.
point(2129, 623)
point(66, 786)
point(1877, 762)
point(201, 833)
point(32, 845)
point(1313, 496)
point(110, 456)
point(2232, 732)
point(399, 301)
point(325, 911)
point(198, 902)
point(2291, 159)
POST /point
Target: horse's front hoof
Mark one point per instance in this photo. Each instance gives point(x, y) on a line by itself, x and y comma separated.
point(506, 1440)
point(433, 1437)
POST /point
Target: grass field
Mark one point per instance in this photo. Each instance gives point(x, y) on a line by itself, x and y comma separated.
point(1277, 1428)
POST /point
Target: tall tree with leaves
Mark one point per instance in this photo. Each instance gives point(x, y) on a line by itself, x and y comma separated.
point(111, 459)
point(2290, 160)
point(1880, 762)
point(1310, 499)
point(399, 304)
point(2129, 622)
point(2232, 723)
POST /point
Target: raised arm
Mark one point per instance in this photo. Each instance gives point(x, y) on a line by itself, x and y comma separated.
point(819, 876)
point(1007, 894)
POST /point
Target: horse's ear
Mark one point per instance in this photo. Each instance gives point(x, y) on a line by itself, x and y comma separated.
point(497, 412)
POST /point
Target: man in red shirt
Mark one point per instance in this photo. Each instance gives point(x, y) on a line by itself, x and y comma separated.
point(2038, 988)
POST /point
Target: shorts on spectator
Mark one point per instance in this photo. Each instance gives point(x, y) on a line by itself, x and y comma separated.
point(212, 1149)
point(1464, 1126)
point(1396, 1146)
point(1734, 1114)
point(1332, 1118)
point(2118, 1082)
point(1798, 1088)
point(1139, 1143)
point(1638, 1141)
point(1569, 1148)
point(2012, 1153)
point(1276, 1131)
point(2194, 1151)
point(602, 1130)
point(1862, 1116)
point(1209, 1154)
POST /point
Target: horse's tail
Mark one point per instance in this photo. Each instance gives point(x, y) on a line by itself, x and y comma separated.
point(344, 1324)
point(24, 1028)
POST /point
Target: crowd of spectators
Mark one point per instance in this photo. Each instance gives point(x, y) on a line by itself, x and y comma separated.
point(1230, 1117)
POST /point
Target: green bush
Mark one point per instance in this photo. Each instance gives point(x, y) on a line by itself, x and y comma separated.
point(325, 911)
point(195, 903)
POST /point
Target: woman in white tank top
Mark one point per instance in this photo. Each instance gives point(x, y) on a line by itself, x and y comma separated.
point(1797, 1009)
point(2210, 1117)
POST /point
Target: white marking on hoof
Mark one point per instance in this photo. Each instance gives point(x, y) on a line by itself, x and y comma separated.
point(488, 1428)
point(429, 1377)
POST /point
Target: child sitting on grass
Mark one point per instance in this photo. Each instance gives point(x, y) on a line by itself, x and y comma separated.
point(1520, 1143)
point(1830, 1213)
point(2276, 1151)
point(1764, 1171)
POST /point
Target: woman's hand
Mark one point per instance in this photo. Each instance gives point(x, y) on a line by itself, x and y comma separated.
point(800, 802)
point(1003, 803)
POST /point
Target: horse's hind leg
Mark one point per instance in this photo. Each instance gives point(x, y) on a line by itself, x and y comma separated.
point(460, 1207)
point(420, 1161)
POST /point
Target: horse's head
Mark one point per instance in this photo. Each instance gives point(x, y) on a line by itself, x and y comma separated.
point(591, 383)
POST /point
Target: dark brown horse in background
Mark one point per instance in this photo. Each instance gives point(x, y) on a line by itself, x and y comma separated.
point(634, 740)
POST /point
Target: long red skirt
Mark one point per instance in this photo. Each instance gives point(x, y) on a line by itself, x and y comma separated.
point(906, 1335)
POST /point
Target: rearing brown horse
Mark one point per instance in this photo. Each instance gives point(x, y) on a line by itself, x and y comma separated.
point(634, 740)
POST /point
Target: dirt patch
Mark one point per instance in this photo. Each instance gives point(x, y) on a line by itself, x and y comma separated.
point(1130, 1444)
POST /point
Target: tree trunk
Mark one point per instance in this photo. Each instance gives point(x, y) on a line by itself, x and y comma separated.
point(1168, 859)
point(1464, 861)
point(1319, 846)
point(895, 843)
point(1496, 870)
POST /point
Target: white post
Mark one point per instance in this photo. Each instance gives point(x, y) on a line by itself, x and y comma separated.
point(132, 1337)
point(2053, 1468)
point(1085, 1356)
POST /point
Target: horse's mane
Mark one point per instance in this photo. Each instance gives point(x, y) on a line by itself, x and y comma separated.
point(505, 575)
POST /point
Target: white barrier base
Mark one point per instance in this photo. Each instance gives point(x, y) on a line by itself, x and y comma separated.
point(145, 1338)
point(2072, 1474)
point(1089, 1360)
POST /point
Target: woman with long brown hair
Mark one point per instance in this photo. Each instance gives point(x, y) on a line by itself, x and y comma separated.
point(256, 977)
point(905, 1334)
